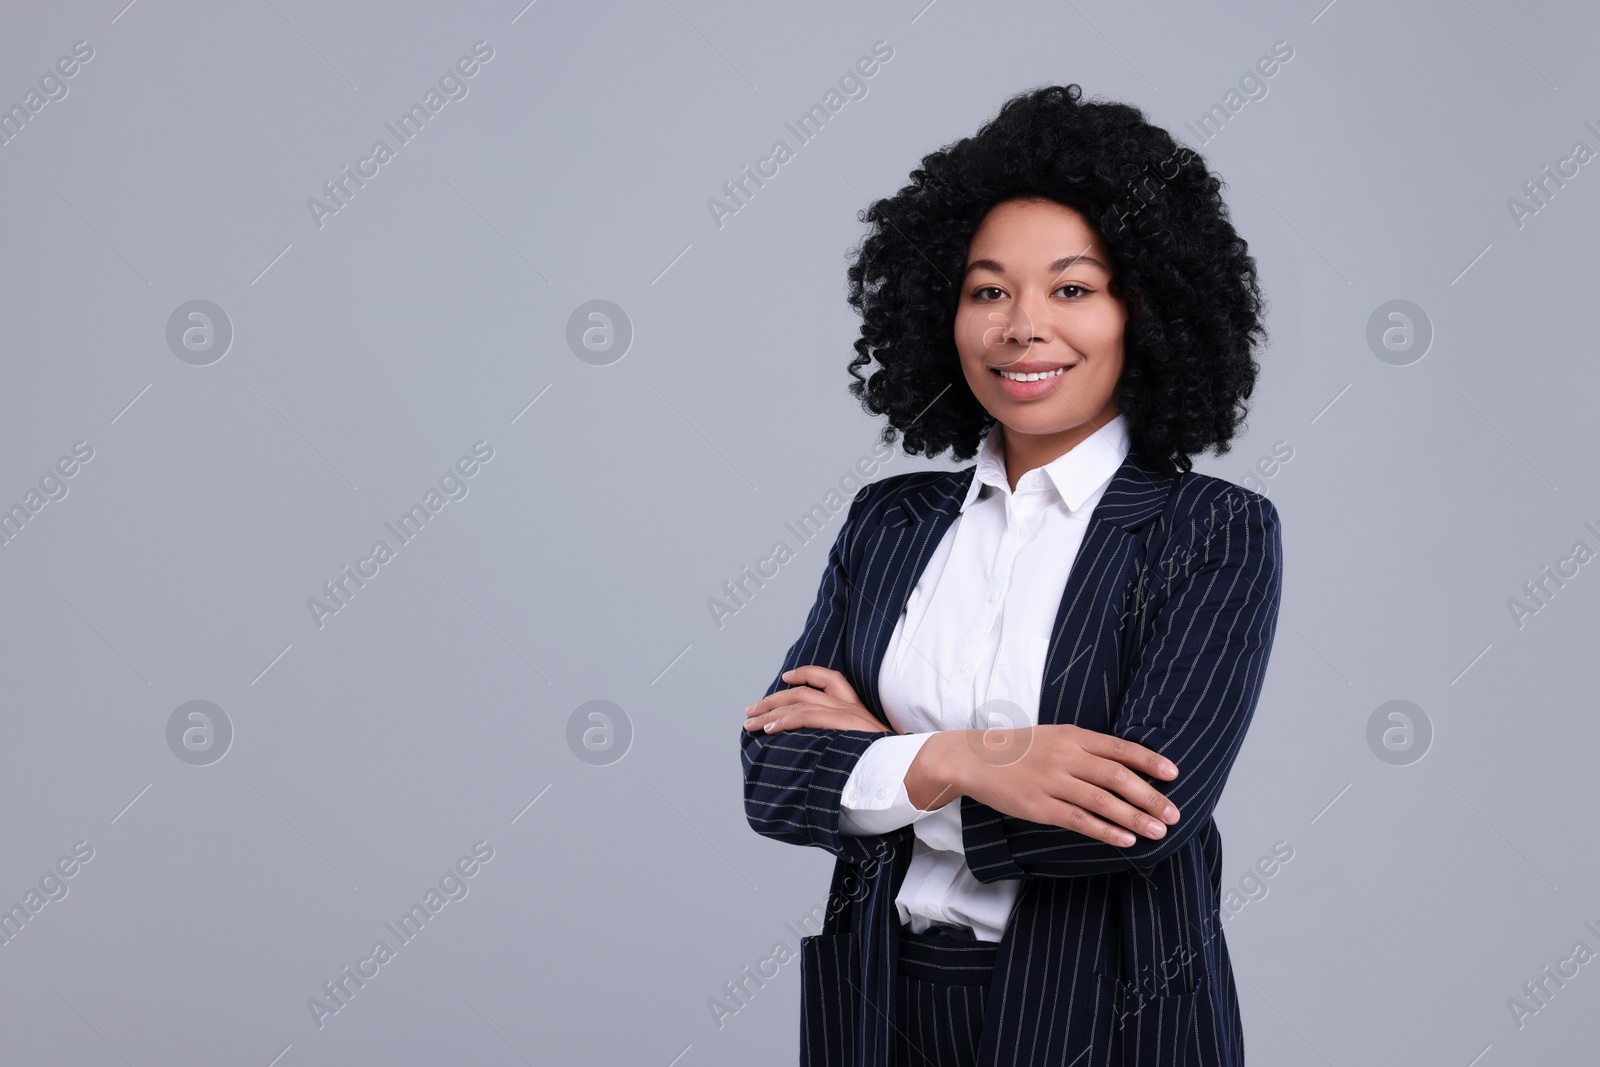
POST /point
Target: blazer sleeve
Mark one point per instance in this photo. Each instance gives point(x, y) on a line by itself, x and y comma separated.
point(1191, 696)
point(794, 779)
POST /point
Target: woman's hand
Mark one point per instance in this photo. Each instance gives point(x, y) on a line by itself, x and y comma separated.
point(1066, 776)
point(820, 698)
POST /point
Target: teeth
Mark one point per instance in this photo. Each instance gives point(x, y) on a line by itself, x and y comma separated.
point(1032, 377)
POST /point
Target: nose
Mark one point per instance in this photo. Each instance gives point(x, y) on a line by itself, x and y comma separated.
point(1024, 322)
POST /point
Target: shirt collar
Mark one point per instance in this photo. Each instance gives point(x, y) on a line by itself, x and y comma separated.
point(1074, 475)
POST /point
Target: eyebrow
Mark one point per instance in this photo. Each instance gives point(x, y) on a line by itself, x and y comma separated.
point(1062, 264)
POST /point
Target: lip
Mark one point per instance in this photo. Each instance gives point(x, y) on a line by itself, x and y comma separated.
point(1030, 390)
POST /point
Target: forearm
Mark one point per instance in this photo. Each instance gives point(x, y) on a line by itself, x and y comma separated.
point(941, 771)
point(792, 784)
point(960, 766)
point(876, 800)
point(900, 780)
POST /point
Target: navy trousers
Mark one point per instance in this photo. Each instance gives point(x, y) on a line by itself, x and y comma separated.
point(943, 985)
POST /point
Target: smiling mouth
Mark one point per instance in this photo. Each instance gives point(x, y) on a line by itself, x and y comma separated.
point(1036, 377)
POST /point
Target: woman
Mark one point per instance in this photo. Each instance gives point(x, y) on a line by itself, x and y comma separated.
point(1022, 686)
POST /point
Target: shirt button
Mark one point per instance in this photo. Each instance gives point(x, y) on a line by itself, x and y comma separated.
point(994, 594)
point(855, 795)
point(883, 792)
point(964, 666)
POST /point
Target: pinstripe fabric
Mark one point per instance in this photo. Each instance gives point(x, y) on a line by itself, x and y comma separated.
point(1111, 956)
point(937, 1025)
point(940, 997)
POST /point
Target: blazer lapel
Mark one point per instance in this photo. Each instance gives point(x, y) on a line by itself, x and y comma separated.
point(1088, 636)
point(898, 550)
point(896, 555)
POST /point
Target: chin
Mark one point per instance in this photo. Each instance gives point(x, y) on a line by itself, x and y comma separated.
point(1032, 419)
point(1042, 427)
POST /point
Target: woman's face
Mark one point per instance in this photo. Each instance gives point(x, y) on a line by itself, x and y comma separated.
point(1034, 301)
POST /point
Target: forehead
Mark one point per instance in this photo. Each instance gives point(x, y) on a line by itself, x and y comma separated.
point(1018, 236)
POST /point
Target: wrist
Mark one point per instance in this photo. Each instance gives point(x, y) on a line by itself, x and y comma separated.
point(941, 772)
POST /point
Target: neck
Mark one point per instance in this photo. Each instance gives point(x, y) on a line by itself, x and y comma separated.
point(1026, 451)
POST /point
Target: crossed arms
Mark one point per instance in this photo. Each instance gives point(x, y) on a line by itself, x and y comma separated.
point(1188, 702)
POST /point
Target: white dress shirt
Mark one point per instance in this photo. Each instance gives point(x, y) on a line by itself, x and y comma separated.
point(968, 652)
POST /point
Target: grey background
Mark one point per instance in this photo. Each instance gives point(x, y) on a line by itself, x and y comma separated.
point(369, 754)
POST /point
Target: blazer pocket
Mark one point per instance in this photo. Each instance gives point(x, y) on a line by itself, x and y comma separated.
point(830, 974)
point(1152, 1031)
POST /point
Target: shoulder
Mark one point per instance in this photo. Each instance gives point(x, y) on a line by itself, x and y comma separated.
point(1213, 522)
point(910, 491)
point(1204, 500)
point(900, 500)
point(1218, 525)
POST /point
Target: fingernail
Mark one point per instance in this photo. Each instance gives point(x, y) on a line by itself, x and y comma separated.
point(1124, 839)
point(1167, 768)
point(751, 708)
point(1156, 829)
point(1171, 814)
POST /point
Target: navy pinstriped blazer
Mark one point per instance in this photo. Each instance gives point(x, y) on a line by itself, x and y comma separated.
point(1111, 956)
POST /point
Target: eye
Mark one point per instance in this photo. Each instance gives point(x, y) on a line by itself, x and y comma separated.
point(977, 294)
point(1071, 285)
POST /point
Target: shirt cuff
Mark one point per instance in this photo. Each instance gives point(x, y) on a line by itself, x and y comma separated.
point(874, 799)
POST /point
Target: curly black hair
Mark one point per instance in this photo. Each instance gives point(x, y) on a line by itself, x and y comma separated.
point(1194, 307)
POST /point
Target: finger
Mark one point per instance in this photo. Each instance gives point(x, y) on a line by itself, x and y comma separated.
point(790, 716)
point(772, 701)
point(801, 716)
point(1118, 779)
point(824, 716)
point(829, 681)
point(758, 715)
point(1113, 809)
point(785, 697)
point(1129, 753)
point(1072, 817)
point(761, 718)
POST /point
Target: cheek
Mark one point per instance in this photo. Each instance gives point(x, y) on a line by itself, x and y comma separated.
point(1105, 373)
point(1099, 332)
point(977, 375)
point(1115, 327)
point(969, 333)
point(1102, 346)
point(970, 347)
